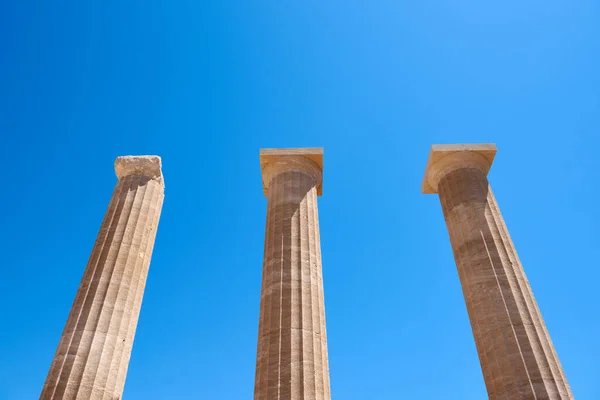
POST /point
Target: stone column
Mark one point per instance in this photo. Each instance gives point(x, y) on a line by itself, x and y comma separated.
point(93, 353)
point(292, 345)
point(516, 354)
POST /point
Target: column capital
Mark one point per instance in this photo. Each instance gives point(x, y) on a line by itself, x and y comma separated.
point(150, 166)
point(445, 158)
point(306, 160)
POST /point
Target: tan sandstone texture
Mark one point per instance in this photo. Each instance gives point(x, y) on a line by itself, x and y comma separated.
point(93, 353)
point(515, 351)
point(292, 359)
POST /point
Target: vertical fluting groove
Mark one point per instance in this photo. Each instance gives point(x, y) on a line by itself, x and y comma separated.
point(280, 308)
point(308, 360)
point(149, 231)
point(77, 308)
point(119, 341)
point(270, 296)
point(274, 332)
point(517, 356)
point(300, 279)
point(321, 377)
point(95, 336)
point(322, 329)
point(321, 301)
point(314, 307)
point(294, 338)
point(286, 310)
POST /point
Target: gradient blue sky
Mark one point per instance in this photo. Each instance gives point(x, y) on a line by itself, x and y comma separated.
point(205, 85)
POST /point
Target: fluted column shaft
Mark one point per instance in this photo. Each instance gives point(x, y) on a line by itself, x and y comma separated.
point(516, 353)
point(93, 353)
point(292, 361)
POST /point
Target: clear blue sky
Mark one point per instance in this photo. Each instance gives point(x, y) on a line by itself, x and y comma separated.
point(205, 84)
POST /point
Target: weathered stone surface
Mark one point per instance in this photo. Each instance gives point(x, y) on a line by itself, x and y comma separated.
point(292, 361)
point(516, 354)
point(292, 159)
point(150, 166)
point(93, 353)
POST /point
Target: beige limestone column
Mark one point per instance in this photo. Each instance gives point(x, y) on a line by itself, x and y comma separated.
point(93, 353)
point(292, 359)
point(516, 354)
